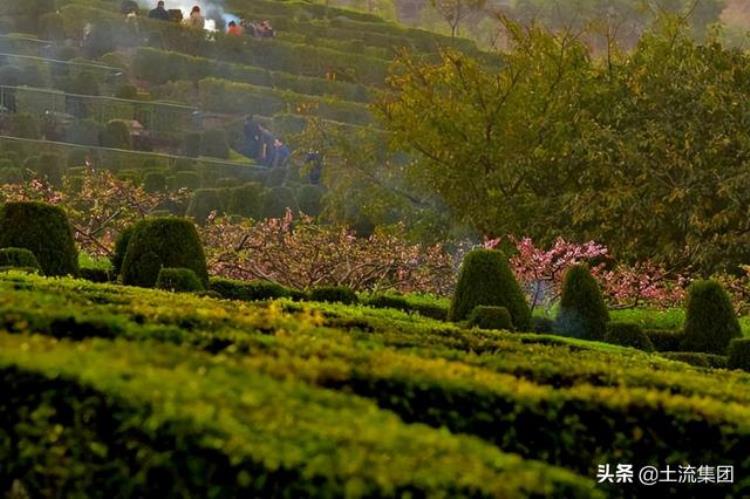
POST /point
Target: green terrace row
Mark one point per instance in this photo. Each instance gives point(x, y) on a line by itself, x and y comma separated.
point(433, 373)
point(132, 419)
point(158, 66)
point(274, 55)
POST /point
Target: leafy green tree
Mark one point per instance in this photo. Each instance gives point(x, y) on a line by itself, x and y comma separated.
point(495, 145)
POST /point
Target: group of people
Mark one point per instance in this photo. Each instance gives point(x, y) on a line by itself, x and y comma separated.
point(262, 29)
point(263, 147)
point(197, 20)
point(194, 20)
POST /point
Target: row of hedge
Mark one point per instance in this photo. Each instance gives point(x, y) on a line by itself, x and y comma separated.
point(577, 427)
point(271, 54)
point(133, 440)
point(230, 97)
point(159, 66)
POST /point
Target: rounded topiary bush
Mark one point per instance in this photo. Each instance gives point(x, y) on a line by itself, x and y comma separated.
point(203, 202)
point(44, 230)
point(486, 279)
point(178, 279)
point(116, 134)
point(246, 200)
point(583, 313)
point(739, 354)
point(488, 317)
point(18, 258)
point(628, 335)
point(277, 201)
point(155, 182)
point(710, 322)
point(187, 180)
point(248, 290)
point(334, 294)
point(310, 200)
point(215, 144)
point(162, 242)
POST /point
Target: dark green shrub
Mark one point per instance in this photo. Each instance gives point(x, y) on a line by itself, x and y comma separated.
point(486, 279)
point(84, 132)
point(18, 257)
point(121, 246)
point(277, 201)
point(45, 231)
point(665, 340)
point(203, 202)
point(542, 325)
point(25, 126)
point(96, 275)
point(116, 134)
point(488, 317)
point(389, 301)
point(739, 354)
point(187, 179)
point(334, 294)
point(162, 242)
point(628, 335)
point(154, 182)
point(127, 91)
point(73, 183)
point(310, 200)
point(698, 359)
point(178, 279)
point(246, 200)
point(215, 144)
point(583, 313)
point(710, 322)
point(191, 145)
point(47, 166)
point(11, 176)
point(248, 290)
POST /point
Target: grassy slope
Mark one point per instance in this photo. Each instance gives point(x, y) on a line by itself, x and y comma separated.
point(569, 403)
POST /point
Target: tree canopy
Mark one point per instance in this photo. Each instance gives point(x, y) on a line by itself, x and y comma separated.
point(645, 150)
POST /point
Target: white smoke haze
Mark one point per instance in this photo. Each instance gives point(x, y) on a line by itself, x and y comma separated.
point(216, 17)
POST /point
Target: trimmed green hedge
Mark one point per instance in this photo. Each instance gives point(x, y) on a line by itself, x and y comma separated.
point(739, 354)
point(334, 294)
point(710, 321)
point(177, 279)
point(119, 434)
point(45, 231)
point(162, 242)
point(486, 279)
point(629, 335)
point(248, 290)
point(19, 258)
point(583, 313)
point(485, 317)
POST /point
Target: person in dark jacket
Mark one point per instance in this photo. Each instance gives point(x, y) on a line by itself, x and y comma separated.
point(159, 13)
point(252, 134)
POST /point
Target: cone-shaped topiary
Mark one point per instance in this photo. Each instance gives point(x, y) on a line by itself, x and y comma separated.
point(628, 335)
point(710, 322)
point(44, 230)
point(583, 313)
point(739, 354)
point(486, 279)
point(172, 279)
point(162, 242)
point(485, 317)
point(155, 182)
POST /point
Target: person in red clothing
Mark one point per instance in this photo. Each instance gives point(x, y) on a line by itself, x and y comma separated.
point(234, 29)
